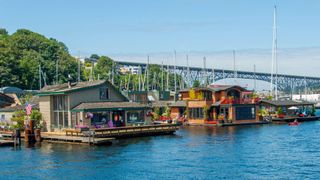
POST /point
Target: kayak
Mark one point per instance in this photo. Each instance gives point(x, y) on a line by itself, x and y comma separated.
point(294, 124)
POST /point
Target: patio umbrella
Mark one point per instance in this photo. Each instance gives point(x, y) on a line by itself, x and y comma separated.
point(293, 108)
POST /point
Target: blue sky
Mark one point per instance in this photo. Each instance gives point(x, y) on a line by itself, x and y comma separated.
point(146, 26)
point(129, 30)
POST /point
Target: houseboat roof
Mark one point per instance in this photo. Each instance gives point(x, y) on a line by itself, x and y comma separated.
point(64, 88)
point(161, 103)
point(216, 88)
point(286, 102)
point(179, 104)
point(100, 106)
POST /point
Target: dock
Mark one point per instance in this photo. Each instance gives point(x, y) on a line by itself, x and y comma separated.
point(291, 119)
point(103, 136)
point(6, 143)
point(244, 124)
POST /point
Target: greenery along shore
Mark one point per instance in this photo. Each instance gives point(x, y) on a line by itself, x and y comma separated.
point(22, 52)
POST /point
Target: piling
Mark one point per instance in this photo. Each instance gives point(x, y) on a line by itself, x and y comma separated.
point(17, 137)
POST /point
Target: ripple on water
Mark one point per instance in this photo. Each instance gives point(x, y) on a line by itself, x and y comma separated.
point(247, 152)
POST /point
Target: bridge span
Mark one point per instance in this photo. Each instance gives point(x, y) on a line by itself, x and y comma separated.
point(285, 82)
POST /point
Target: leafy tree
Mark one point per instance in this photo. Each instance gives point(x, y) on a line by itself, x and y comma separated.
point(18, 117)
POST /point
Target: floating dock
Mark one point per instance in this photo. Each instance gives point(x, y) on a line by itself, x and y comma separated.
point(244, 124)
point(6, 143)
point(107, 135)
point(291, 119)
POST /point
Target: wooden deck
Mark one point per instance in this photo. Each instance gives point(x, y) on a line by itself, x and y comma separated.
point(291, 119)
point(135, 131)
point(243, 124)
point(6, 143)
point(107, 135)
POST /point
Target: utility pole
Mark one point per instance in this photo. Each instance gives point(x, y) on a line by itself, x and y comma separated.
point(175, 76)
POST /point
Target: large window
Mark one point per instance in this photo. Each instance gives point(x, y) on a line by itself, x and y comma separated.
point(60, 111)
point(104, 93)
point(100, 118)
point(135, 117)
point(245, 113)
point(196, 113)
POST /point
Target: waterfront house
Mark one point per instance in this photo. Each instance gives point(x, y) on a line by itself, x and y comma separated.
point(88, 103)
point(286, 108)
point(220, 104)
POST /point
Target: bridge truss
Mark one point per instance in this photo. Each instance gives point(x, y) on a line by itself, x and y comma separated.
point(284, 82)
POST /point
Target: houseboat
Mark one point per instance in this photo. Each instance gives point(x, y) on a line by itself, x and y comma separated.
point(220, 105)
point(88, 104)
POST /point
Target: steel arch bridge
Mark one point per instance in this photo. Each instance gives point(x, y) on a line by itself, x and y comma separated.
point(285, 82)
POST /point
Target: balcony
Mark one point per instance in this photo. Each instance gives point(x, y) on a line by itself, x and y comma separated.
point(240, 101)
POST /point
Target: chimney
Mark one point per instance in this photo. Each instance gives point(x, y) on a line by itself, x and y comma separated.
point(69, 81)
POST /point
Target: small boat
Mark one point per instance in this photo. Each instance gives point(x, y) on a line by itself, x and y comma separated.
point(295, 123)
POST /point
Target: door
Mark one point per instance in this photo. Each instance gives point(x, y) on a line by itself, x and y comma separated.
point(118, 118)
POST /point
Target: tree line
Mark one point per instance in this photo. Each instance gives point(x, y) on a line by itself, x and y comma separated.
point(24, 51)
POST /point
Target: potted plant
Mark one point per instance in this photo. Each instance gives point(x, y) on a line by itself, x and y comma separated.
point(280, 113)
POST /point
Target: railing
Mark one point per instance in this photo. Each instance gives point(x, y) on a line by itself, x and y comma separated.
point(240, 101)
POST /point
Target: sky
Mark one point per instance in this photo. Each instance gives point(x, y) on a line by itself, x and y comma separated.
point(129, 30)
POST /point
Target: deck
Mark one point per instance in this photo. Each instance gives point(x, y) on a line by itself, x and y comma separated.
point(291, 119)
point(107, 135)
point(6, 143)
point(243, 124)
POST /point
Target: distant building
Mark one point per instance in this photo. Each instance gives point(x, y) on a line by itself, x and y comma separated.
point(307, 97)
point(130, 69)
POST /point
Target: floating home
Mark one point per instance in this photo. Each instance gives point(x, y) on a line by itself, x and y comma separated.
point(220, 105)
point(88, 104)
point(288, 110)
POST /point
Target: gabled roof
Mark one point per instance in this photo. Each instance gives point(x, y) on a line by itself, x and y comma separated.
point(286, 102)
point(216, 88)
point(101, 106)
point(64, 89)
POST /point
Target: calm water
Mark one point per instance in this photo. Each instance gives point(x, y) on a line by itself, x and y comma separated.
point(250, 152)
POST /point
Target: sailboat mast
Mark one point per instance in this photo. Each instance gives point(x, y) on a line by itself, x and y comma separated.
point(175, 76)
point(274, 64)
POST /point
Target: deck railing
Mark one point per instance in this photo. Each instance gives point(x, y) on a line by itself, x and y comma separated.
point(240, 101)
point(134, 130)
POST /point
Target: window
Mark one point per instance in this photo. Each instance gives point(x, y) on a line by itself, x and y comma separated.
point(2, 117)
point(196, 113)
point(135, 117)
point(245, 113)
point(60, 112)
point(104, 93)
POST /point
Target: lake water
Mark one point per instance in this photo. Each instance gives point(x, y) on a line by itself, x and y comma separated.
point(247, 152)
